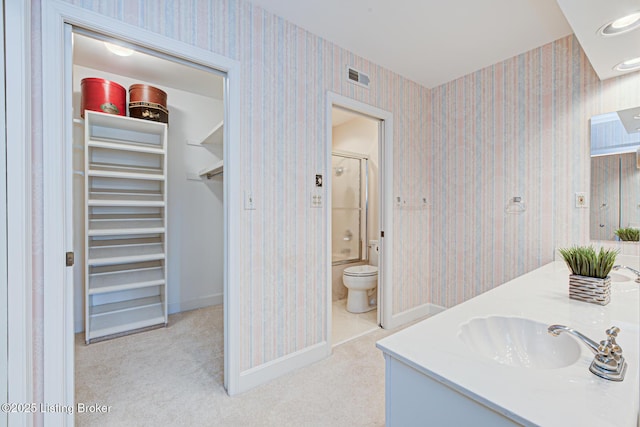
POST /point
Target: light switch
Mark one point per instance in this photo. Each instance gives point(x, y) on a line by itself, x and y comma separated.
point(249, 201)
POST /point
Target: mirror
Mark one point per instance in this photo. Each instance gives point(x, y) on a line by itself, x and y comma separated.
point(615, 175)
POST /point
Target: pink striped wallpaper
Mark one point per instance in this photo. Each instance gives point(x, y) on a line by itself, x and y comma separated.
point(518, 128)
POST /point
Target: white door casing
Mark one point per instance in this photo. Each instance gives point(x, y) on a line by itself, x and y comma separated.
point(17, 86)
point(57, 18)
point(385, 153)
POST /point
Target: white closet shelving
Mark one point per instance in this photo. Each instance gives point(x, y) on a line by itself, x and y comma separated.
point(214, 137)
point(125, 224)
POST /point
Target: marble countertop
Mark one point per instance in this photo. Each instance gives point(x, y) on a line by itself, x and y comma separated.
point(548, 397)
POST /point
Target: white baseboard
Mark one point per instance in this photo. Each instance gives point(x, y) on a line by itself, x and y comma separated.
point(205, 301)
point(262, 374)
point(215, 299)
point(415, 313)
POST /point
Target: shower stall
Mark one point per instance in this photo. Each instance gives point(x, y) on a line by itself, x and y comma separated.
point(349, 207)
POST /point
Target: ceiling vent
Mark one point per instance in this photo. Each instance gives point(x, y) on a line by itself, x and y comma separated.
point(357, 77)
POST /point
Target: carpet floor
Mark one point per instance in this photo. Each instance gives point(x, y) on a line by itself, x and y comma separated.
point(174, 376)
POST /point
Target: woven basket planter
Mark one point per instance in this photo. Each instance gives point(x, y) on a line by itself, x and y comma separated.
point(590, 289)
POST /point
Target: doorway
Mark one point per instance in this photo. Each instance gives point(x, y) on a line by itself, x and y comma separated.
point(365, 142)
point(190, 202)
point(355, 225)
point(58, 20)
point(147, 215)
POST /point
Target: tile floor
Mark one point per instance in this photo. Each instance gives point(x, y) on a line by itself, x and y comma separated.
point(346, 326)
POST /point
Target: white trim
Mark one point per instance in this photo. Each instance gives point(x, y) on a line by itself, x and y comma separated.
point(19, 200)
point(415, 313)
point(385, 150)
point(174, 307)
point(3, 233)
point(232, 202)
point(276, 368)
point(58, 383)
point(194, 304)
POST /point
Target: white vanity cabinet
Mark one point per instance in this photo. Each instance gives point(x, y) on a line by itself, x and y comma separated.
point(125, 209)
point(416, 399)
point(435, 376)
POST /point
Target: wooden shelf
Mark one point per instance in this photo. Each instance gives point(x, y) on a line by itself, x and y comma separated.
point(128, 146)
point(109, 197)
point(123, 280)
point(114, 227)
point(115, 318)
point(125, 253)
point(212, 171)
point(216, 136)
point(125, 171)
point(125, 224)
point(109, 223)
point(102, 126)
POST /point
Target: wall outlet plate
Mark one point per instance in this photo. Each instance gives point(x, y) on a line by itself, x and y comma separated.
point(316, 198)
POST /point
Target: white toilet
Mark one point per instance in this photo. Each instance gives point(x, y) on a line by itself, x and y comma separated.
point(362, 282)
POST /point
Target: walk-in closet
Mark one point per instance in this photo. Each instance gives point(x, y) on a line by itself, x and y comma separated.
point(148, 223)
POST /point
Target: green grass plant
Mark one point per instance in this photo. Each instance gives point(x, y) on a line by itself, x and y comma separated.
point(585, 261)
point(628, 234)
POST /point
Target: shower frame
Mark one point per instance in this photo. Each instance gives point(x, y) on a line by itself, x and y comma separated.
point(363, 231)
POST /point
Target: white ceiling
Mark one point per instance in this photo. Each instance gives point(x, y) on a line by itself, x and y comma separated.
point(92, 53)
point(429, 41)
point(435, 41)
point(587, 16)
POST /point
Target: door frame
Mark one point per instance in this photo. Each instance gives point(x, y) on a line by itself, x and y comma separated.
point(19, 193)
point(385, 207)
point(57, 18)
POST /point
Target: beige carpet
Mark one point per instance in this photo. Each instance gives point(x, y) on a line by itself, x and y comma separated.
point(173, 376)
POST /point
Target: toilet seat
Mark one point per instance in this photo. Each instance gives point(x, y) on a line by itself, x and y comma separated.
point(361, 271)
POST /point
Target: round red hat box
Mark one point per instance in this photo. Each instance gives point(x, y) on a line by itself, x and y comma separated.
point(102, 95)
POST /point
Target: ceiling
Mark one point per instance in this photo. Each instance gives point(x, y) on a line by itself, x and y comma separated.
point(428, 41)
point(587, 16)
point(92, 53)
point(433, 41)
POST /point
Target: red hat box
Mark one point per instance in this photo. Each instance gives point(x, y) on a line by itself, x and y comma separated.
point(102, 95)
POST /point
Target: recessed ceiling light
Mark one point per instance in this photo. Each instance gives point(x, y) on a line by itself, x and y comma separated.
point(118, 50)
point(621, 25)
point(628, 65)
point(637, 117)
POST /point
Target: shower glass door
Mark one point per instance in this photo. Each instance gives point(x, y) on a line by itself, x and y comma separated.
point(349, 208)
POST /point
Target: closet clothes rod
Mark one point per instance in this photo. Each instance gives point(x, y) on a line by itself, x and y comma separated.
point(212, 174)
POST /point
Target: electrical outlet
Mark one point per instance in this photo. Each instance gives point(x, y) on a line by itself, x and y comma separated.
point(249, 201)
point(581, 200)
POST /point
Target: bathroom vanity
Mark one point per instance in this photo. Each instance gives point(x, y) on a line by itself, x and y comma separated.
point(490, 361)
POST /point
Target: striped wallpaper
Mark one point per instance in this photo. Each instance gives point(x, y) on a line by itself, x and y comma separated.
point(518, 128)
point(605, 197)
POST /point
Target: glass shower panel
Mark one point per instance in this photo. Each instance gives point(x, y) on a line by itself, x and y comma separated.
point(347, 195)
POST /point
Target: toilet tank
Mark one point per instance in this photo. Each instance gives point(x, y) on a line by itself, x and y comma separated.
point(374, 251)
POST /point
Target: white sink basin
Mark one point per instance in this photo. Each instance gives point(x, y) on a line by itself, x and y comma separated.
point(519, 342)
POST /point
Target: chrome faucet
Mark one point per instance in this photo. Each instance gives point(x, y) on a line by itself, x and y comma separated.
point(633, 270)
point(556, 329)
point(608, 362)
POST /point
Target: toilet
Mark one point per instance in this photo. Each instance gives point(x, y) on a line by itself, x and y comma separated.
point(361, 282)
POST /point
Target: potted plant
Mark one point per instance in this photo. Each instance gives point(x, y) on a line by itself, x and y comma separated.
point(628, 234)
point(589, 280)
